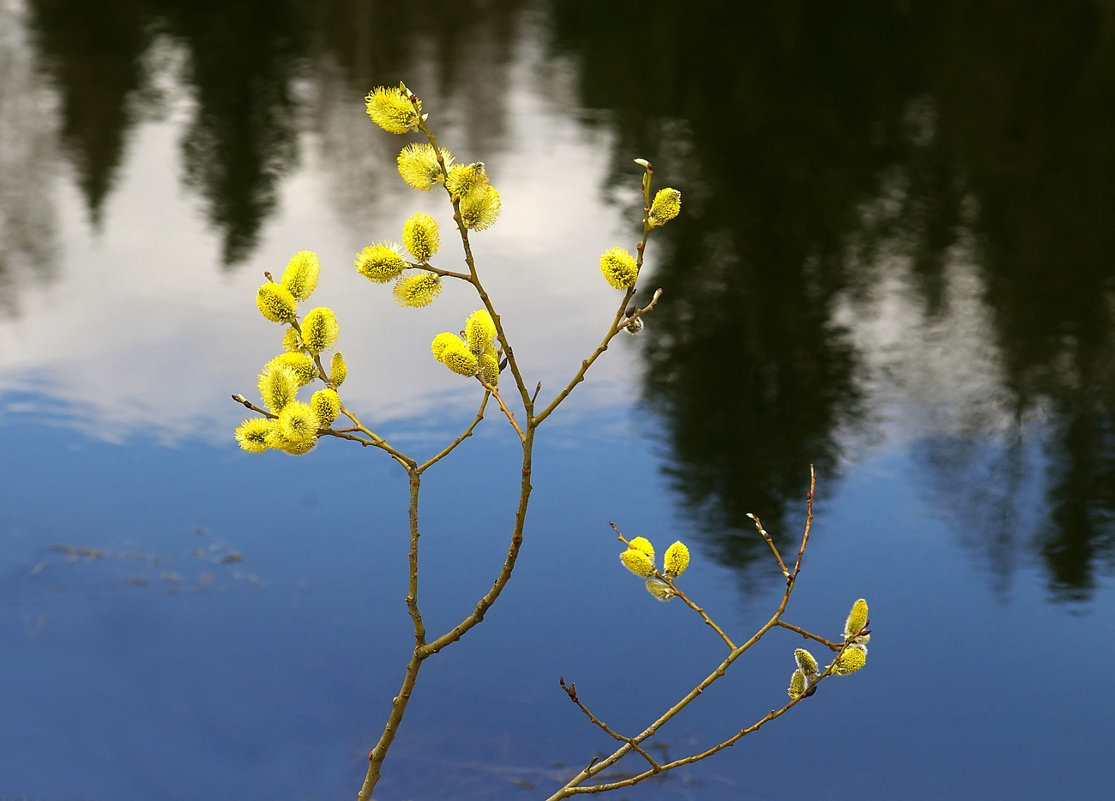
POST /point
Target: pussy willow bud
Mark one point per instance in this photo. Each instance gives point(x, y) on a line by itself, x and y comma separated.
point(806, 663)
point(480, 208)
point(276, 303)
point(417, 290)
point(292, 340)
point(853, 658)
point(419, 167)
point(797, 684)
point(637, 562)
point(421, 237)
point(319, 329)
point(619, 268)
point(392, 109)
point(298, 363)
point(489, 367)
point(254, 435)
point(301, 274)
point(338, 371)
point(660, 589)
point(642, 544)
point(634, 326)
point(452, 352)
point(298, 423)
point(857, 619)
point(480, 331)
point(464, 179)
point(380, 262)
point(278, 386)
point(676, 559)
point(666, 205)
point(326, 404)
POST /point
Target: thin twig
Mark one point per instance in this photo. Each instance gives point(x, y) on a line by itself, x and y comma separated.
point(463, 436)
point(571, 691)
point(770, 542)
point(811, 636)
point(503, 406)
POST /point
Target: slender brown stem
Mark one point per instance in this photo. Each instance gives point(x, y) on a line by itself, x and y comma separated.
point(463, 436)
point(574, 785)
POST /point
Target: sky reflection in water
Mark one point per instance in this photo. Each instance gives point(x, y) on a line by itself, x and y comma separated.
point(858, 304)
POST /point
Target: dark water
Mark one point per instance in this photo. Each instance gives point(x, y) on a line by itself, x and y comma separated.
point(894, 262)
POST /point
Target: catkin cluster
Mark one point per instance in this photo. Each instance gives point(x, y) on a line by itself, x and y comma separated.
point(853, 655)
point(289, 424)
point(639, 559)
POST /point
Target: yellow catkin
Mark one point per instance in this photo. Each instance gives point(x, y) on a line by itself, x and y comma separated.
point(418, 165)
point(326, 404)
point(421, 237)
point(301, 364)
point(481, 208)
point(618, 268)
point(637, 562)
point(416, 291)
point(278, 386)
point(301, 274)
point(676, 559)
point(480, 331)
point(666, 205)
point(380, 262)
point(276, 303)
point(392, 109)
point(642, 544)
point(857, 619)
point(254, 435)
point(319, 329)
point(338, 371)
point(806, 662)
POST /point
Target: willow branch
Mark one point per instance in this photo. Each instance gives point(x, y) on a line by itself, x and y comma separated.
point(474, 277)
point(835, 646)
point(503, 406)
point(504, 575)
point(571, 691)
point(770, 541)
point(461, 438)
point(573, 786)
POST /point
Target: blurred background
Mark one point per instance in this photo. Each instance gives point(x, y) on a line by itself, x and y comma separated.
point(894, 261)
